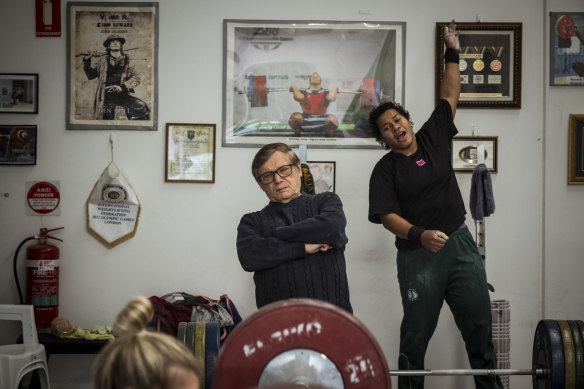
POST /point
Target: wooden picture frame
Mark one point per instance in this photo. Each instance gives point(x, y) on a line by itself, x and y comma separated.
point(323, 175)
point(19, 93)
point(130, 103)
point(464, 153)
point(18, 144)
point(576, 150)
point(566, 56)
point(190, 153)
point(490, 64)
point(264, 59)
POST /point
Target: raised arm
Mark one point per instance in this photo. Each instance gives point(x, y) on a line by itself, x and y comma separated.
point(450, 87)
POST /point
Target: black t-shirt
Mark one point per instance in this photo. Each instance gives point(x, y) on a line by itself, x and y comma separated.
point(422, 187)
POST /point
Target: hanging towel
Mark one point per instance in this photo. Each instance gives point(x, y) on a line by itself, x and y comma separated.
point(482, 202)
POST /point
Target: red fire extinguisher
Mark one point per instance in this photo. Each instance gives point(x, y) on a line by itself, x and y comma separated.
point(42, 281)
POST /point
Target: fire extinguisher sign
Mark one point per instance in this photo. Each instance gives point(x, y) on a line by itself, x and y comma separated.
point(43, 198)
point(48, 18)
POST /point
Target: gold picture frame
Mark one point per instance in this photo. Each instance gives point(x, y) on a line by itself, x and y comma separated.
point(576, 150)
point(190, 153)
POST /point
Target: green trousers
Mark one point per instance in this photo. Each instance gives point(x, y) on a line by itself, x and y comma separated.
point(454, 274)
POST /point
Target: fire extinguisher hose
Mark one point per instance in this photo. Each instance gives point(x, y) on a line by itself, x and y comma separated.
point(14, 266)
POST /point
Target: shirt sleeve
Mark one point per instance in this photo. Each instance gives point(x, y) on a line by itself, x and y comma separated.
point(326, 226)
point(440, 125)
point(257, 252)
point(382, 193)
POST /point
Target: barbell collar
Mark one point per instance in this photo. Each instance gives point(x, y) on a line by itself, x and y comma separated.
point(473, 372)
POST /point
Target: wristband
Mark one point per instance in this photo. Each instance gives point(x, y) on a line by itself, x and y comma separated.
point(415, 234)
point(451, 55)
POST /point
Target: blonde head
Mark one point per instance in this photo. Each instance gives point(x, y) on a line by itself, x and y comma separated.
point(142, 359)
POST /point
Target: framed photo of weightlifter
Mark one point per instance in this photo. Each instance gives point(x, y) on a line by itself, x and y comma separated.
point(576, 150)
point(19, 93)
point(490, 64)
point(566, 48)
point(112, 66)
point(308, 82)
point(465, 153)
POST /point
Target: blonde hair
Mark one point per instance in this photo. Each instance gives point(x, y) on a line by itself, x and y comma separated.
point(139, 358)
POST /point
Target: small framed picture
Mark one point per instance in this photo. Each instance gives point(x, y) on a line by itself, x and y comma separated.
point(18, 144)
point(19, 93)
point(576, 150)
point(465, 155)
point(566, 55)
point(190, 153)
point(323, 175)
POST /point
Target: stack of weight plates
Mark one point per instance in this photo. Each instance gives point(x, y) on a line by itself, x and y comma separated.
point(202, 338)
point(501, 315)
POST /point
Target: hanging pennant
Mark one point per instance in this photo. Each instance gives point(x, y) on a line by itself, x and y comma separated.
point(113, 208)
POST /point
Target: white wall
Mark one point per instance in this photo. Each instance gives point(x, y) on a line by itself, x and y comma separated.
point(186, 235)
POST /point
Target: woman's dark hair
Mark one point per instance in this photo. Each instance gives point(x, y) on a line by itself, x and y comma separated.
point(377, 112)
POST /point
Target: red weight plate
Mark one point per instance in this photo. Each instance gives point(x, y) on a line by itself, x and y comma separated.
point(368, 88)
point(259, 97)
point(565, 26)
point(301, 323)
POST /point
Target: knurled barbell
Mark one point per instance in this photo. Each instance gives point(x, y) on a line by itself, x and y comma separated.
point(257, 91)
point(313, 343)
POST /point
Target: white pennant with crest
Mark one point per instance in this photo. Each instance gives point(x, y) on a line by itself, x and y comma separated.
point(113, 208)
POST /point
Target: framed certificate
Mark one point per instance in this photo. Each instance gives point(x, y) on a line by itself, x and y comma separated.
point(190, 153)
point(490, 64)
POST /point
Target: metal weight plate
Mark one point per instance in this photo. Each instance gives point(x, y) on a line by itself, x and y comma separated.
point(190, 336)
point(578, 353)
point(368, 92)
point(569, 358)
point(580, 325)
point(565, 26)
point(548, 354)
point(294, 325)
point(200, 330)
point(258, 91)
point(211, 351)
point(182, 332)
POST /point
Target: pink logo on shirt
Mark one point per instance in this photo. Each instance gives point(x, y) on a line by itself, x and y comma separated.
point(421, 162)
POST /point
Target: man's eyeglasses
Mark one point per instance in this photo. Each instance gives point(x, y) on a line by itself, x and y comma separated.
point(282, 171)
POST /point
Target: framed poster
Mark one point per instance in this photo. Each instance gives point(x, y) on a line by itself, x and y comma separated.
point(566, 48)
point(19, 93)
point(112, 66)
point(308, 82)
point(18, 144)
point(190, 153)
point(323, 175)
point(490, 64)
point(576, 150)
point(465, 153)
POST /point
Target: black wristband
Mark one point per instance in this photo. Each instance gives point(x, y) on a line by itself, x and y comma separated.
point(451, 55)
point(415, 234)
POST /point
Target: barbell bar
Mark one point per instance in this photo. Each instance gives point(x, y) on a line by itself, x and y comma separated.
point(288, 331)
point(257, 91)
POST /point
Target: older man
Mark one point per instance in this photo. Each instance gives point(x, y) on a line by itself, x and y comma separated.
point(295, 245)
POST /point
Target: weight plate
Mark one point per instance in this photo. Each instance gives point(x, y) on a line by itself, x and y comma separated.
point(200, 328)
point(258, 91)
point(578, 353)
point(569, 359)
point(565, 26)
point(190, 336)
point(211, 351)
point(182, 332)
point(301, 324)
point(368, 90)
point(580, 325)
point(548, 354)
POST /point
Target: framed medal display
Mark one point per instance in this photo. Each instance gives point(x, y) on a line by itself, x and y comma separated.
point(490, 64)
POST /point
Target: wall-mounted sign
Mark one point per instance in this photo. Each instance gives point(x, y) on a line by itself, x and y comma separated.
point(43, 198)
point(48, 18)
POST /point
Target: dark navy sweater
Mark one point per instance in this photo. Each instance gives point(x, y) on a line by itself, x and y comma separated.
point(271, 242)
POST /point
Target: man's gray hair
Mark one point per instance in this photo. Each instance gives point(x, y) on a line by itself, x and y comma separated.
point(266, 152)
